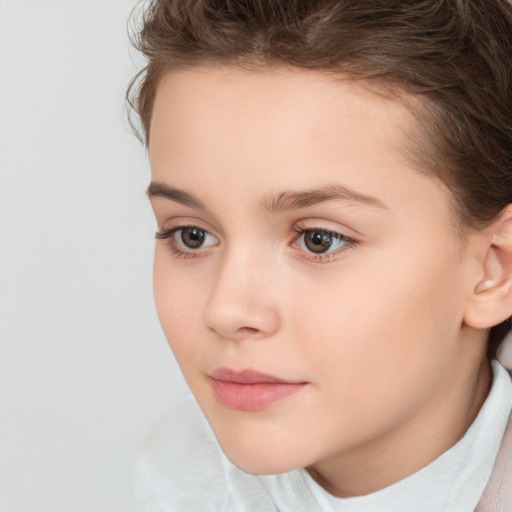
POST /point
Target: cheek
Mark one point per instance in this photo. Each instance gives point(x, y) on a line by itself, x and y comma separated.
point(178, 306)
point(372, 351)
point(391, 322)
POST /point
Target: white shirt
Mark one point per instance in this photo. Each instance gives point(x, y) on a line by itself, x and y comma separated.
point(182, 468)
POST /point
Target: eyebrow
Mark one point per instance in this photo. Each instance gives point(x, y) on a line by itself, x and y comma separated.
point(179, 196)
point(290, 200)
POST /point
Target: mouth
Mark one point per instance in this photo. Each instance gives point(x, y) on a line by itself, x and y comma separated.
point(249, 390)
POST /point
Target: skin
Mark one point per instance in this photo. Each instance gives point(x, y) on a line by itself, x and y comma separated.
point(375, 326)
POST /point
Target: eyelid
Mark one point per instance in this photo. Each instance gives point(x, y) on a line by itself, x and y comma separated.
point(169, 215)
point(328, 226)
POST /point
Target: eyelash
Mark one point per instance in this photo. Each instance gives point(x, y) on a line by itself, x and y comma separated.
point(325, 257)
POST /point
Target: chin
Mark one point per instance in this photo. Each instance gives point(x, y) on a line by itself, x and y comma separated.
point(257, 461)
point(260, 443)
point(260, 466)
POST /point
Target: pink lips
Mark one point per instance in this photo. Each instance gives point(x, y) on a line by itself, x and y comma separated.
point(249, 390)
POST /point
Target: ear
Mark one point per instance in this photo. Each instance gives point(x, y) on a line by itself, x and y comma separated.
point(491, 299)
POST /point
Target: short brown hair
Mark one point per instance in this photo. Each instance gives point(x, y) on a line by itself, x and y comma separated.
point(455, 56)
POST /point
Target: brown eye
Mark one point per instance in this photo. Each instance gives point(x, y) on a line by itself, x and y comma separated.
point(318, 241)
point(193, 238)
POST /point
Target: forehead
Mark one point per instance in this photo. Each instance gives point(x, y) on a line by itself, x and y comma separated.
point(280, 129)
point(224, 108)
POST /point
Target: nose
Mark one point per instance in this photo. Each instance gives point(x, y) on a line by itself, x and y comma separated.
point(242, 303)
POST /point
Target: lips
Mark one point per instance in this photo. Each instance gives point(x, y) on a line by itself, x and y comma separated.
point(249, 390)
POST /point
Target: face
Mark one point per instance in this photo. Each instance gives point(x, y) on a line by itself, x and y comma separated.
point(310, 282)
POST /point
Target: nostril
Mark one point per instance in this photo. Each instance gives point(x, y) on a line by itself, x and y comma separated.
point(248, 331)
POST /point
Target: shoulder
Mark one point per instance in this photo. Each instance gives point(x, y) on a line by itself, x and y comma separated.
point(183, 435)
point(180, 466)
point(178, 455)
point(498, 493)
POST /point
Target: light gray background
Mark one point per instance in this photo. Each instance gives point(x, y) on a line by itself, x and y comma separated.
point(84, 368)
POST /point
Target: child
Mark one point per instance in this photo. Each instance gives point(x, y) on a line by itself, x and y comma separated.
point(332, 184)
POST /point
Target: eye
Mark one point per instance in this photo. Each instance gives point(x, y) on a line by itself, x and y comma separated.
point(186, 239)
point(193, 238)
point(320, 241)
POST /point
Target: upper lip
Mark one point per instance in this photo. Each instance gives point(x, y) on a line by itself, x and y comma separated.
point(248, 377)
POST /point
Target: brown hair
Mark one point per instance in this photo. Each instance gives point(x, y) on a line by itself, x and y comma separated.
point(455, 56)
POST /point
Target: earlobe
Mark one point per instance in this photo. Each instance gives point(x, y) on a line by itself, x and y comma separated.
point(491, 301)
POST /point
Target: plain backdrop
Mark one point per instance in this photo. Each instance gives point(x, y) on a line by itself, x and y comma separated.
point(85, 371)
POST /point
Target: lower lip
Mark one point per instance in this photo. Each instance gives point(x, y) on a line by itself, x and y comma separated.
point(255, 396)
